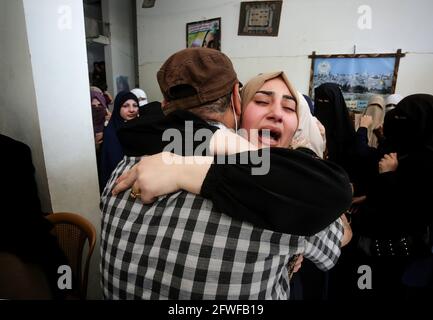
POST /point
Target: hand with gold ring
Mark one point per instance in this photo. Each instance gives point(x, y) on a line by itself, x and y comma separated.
point(162, 174)
point(152, 177)
point(134, 194)
point(126, 181)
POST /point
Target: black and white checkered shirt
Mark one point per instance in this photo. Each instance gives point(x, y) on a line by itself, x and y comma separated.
point(180, 247)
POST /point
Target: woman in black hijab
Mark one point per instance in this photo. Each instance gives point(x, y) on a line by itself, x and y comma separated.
point(330, 109)
point(125, 109)
point(345, 146)
point(350, 150)
point(394, 219)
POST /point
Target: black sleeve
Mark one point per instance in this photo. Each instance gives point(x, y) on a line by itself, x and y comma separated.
point(397, 200)
point(301, 194)
point(362, 147)
point(155, 133)
point(20, 175)
point(20, 202)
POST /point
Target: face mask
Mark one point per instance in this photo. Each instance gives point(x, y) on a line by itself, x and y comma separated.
point(223, 127)
point(218, 125)
point(234, 113)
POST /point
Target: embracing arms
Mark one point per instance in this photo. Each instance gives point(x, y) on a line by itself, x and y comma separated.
point(300, 194)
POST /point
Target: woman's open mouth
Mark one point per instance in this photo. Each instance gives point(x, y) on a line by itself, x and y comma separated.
point(269, 136)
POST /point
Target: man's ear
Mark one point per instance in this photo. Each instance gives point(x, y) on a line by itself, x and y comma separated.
point(236, 99)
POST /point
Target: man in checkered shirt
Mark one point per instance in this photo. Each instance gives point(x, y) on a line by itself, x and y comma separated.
point(181, 247)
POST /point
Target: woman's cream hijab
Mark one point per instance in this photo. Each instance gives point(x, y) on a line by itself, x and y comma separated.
point(375, 109)
point(255, 83)
point(307, 128)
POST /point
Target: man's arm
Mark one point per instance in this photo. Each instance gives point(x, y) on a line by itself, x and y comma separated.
point(299, 195)
point(324, 248)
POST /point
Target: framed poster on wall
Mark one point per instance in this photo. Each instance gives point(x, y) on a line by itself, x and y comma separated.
point(359, 75)
point(206, 33)
point(259, 18)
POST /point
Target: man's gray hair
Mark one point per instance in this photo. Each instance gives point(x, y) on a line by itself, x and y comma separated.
point(219, 105)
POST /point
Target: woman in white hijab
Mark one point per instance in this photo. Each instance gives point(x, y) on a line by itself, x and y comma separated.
point(391, 101)
point(310, 131)
point(141, 96)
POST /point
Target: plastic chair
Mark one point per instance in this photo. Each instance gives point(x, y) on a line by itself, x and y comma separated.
point(72, 230)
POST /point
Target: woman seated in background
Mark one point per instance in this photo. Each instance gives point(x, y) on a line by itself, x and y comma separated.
point(125, 109)
point(29, 253)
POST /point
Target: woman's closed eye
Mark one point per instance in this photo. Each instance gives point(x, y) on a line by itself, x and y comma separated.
point(289, 105)
point(261, 102)
point(289, 109)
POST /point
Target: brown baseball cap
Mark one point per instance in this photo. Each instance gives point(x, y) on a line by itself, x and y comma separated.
point(194, 76)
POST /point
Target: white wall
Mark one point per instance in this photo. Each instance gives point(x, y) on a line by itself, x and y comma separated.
point(119, 54)
point(18, 110)
point(45, 103)
point(326, 27)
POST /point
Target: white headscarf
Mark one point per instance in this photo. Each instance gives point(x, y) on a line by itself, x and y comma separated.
point(308, 128)
point(141, 95)
point(391, 101)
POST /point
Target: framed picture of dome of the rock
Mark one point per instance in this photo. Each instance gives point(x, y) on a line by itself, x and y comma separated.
point(359, 76)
